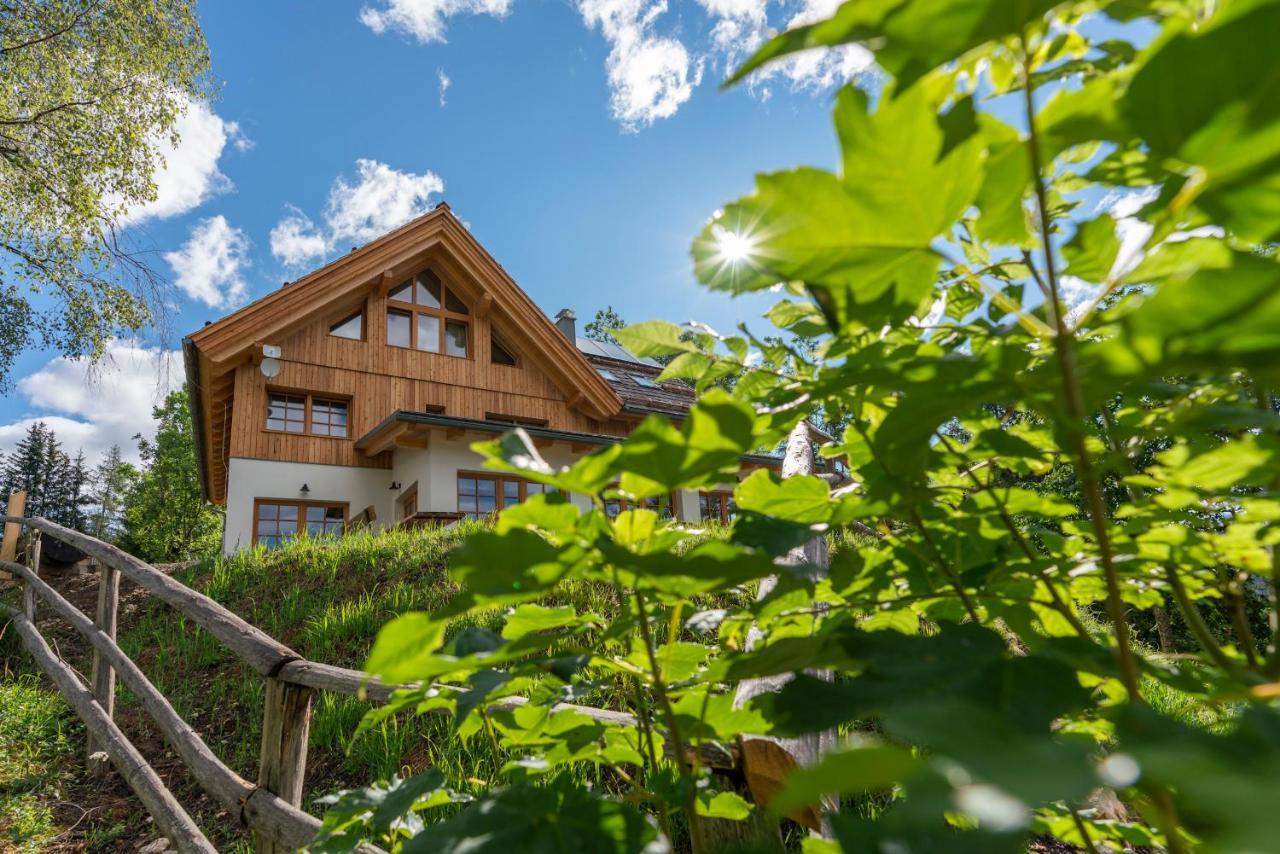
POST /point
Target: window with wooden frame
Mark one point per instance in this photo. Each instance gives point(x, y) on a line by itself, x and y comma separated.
point(351, 327)
point(408, 502)
point(309, 414)
point(663, 505)
point(482, 494)
point(423, 313)
point(717, 506)
point(275, 521)
point(499, 353)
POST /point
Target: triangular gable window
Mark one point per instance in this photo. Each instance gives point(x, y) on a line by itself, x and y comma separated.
point(499, 354)
point(351, 327)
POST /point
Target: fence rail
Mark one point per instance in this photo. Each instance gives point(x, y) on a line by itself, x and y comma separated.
point(271, 807)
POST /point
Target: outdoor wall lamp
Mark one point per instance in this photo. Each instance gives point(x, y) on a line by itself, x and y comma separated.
point(395, 484)
point(305, 489)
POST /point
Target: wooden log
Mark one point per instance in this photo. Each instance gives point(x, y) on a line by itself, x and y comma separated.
point(33, 561)
point(252, 645)
point(766, 761)
point(282, 769)
point(104, 675)
point(13, 525)
point(169, 815)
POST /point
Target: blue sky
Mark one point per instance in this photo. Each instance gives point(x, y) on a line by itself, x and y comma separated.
point(583, 141)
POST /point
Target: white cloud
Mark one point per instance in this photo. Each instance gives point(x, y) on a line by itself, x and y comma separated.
point(822, 68)
point(93, 407)
point(740, 27)
point(208, 265)
point(650, 76)
point(445, 83)
point(381, 199)
point(187, 175)
point(424, 20)
point(1076, 295)
point(295, 240)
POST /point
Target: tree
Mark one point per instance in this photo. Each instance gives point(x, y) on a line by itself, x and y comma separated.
point(92, 90)
point(166, 518)
point(54, 483)
point(112, 480)
point(603, 325)
point(1026, 471)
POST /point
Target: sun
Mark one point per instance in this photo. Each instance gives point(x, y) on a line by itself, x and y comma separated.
point(733, 247)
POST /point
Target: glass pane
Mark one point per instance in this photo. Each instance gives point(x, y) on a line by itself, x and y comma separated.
point(510, 491)
point(352, 327)
point(467, 503)
point(487, 504)
point(315, 514)
point(268, 511)
point(332, 513)
point(269, 542)
point(427, 292)
point(429, 333)
point(288, 511)
point(499, 355)
point(612, 507)
point(466, 485)
point(487, 487)
point(454, 304)
point(398, 328)
point(319, 429)
point(288, 529)
point(402, 293)
point(455, 338)
point(294, 426)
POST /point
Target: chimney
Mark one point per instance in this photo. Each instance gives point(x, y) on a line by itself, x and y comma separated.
point(566, 322)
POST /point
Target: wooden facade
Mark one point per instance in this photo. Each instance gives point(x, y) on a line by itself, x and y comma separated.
point(551, 382)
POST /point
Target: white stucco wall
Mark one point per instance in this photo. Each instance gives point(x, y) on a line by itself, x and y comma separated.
point(434, 470)
point(249, 479)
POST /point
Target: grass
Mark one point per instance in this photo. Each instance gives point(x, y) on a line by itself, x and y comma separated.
point(37, 731)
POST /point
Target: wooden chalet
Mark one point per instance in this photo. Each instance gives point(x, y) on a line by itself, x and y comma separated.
point(352, 395)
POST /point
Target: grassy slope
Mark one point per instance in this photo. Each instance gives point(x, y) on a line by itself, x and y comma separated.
point(37, 730)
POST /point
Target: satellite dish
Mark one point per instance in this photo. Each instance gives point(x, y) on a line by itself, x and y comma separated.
point(270, 367)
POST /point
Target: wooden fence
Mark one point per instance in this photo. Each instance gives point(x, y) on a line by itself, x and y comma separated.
point(271, 807)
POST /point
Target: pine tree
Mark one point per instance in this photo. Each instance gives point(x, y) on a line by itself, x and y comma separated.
point(68, 491)
point(33, 467)
point(111, 481)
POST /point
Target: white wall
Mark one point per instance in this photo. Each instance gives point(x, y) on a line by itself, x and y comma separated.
point(249, 479)
point(434, 469)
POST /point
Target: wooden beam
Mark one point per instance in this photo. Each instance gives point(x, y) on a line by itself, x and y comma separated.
point(387, 440)
point(13, 530)
point(103, 679)
point(454, 433)
point(483, 305)
point(286, 724)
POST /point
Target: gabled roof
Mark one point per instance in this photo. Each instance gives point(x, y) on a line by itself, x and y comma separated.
point(635, 380)
point(213, 352)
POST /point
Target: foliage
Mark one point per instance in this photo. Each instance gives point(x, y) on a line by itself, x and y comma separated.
point(91, 94)
point(166, 516)
point(36, 728)
point(113, 478)
point(1029, 469)
point(56, 485)
point(603, 325)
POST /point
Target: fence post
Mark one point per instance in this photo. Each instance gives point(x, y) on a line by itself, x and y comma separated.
point(104, 675)
point(286, 724)
point(33, 564)
point(12, 530)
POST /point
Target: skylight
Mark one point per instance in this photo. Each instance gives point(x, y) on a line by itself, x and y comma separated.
point(606, 374)
point(647, 382)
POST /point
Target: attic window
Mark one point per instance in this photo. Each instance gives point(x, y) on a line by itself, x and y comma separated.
point(351, 327)
point(606, 374)
point(499, 354)
point(647, 382)
point(423, 313)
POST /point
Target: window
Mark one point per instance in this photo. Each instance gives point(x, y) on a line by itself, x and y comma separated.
point(647, 382)
point(717, 507)
point(663, 505)
point(479, 495)
point(499, 354)
point(423, 313)
point(304, 413)
point(287, 412)
point(351, 327)
point(409, 503)
point(277, 521)
point(606, 374)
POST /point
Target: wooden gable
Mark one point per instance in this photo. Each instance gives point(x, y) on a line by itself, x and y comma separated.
point(551, 381)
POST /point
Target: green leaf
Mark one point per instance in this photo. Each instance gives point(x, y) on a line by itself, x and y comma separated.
point(529, 618)
point(805, 500)
point(725, 805)
point(654, 338)
point(658, 457)
point(402, 643)
point(847, 772)
point(1092, 251)
point(498, 568)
